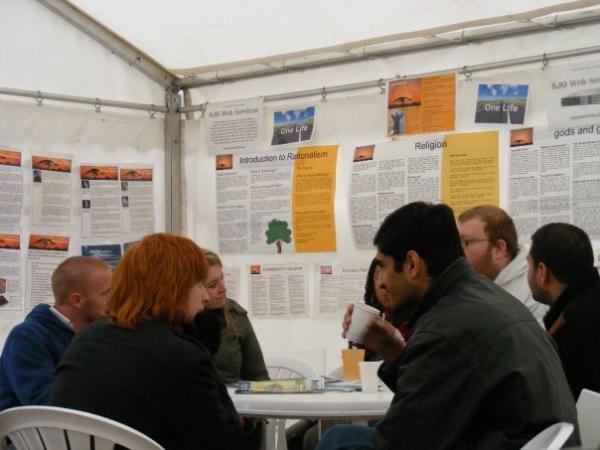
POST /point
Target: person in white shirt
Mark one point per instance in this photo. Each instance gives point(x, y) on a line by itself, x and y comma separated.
point(489, 240)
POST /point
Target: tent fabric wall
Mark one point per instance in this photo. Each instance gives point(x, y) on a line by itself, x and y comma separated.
point(90, 137)
point(41, 51)
point(350, 120)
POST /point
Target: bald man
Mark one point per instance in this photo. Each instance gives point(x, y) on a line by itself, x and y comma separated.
point(81, 288)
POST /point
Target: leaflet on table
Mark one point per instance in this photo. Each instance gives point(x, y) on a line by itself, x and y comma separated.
point(10, 272)
point(573, 94)
point(108, 252)
point(389, 175)
point(280, 386)
point(338, 285)
point(501, 103)
point(45, 253)
point(11, 189)
point(555, 177)
point(277, 202)
point(421, 105)
point(52, 189)
point(470, 170)
point(100, 201)
point(232, 276)
point(278, 290)
point(137, 198)
point(235, 126)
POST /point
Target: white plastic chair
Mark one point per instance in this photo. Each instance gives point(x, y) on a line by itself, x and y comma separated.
point(588, 416)
point(552, 438)
point(51, 428)
point(280, 367)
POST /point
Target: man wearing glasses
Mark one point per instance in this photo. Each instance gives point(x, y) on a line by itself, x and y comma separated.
point(489, 240)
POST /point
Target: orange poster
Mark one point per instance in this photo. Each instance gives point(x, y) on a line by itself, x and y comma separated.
point(313, 192)
point(421, 105)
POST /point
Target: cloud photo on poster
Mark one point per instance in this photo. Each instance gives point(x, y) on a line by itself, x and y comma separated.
point(293, 126)
point(501, 103)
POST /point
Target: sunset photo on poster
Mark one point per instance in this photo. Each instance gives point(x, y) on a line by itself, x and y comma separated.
point(522, 136)
point(224, 162)
point(51, 163)
point(99, 173)
point(9, 158)
point(10, 241)
point(364, 153)
point(128, 174)
point(45, 242)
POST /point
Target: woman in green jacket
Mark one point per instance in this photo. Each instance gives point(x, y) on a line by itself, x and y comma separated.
point(239, 356)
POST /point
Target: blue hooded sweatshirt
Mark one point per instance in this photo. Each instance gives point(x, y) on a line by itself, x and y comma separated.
point(30, 356)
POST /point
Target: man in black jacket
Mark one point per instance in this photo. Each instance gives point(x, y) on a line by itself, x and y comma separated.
point(477, 371)
point(562, 275)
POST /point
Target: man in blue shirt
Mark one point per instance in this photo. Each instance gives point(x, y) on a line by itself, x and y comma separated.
point(81, 287)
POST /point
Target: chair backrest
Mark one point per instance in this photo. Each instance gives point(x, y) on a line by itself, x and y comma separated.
point(552, 438)
point(284, 366)
point(588, 416)
point(51, 428)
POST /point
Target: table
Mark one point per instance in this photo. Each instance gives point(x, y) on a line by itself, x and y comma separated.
point(358, 407)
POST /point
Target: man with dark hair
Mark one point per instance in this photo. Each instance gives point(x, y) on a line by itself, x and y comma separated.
point(477, 370)
point(562, 275)
point(33, 349)
point(489, 239)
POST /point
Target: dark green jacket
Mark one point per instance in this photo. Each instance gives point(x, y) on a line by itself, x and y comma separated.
point(239, 356)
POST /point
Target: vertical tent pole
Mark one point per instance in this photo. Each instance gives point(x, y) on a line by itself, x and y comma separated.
point(173, 169)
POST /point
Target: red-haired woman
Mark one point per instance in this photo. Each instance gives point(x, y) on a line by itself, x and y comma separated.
point(147, 365)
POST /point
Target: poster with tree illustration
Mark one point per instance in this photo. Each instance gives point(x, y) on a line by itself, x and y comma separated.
point(278, 232)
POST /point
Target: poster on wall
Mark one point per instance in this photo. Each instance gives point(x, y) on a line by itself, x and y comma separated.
point(573, 95)
point(470, 170)
point(277, 202)
point(294, 126)
point(277, 290)
point(137, 199)
point(421, 105)
point(10, 272)
point(235, 126)
point(100, 201)
point(554, 176)
point(45, 253)
point(52, 189)
point(11, 189)
point(338, 285)
point(458, 169)
point(501, 103)
point(386, 176)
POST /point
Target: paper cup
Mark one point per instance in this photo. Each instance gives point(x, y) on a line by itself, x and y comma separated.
point(368, 375)
point(361, 315)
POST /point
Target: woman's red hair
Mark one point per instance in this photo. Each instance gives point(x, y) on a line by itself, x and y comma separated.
point(153, 281)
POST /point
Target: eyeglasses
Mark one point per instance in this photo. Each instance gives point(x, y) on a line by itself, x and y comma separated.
point(466, 242)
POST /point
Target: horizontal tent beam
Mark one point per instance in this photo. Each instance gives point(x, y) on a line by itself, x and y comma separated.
point(96, 102)
point(565, 15)
point(463, 70)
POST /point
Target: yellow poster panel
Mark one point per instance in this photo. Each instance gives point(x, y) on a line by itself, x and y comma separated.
point(470, 170)
point(421, 105)
point(313, 192)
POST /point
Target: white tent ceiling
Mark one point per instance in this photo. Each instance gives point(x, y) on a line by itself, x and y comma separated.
point(192, 37)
